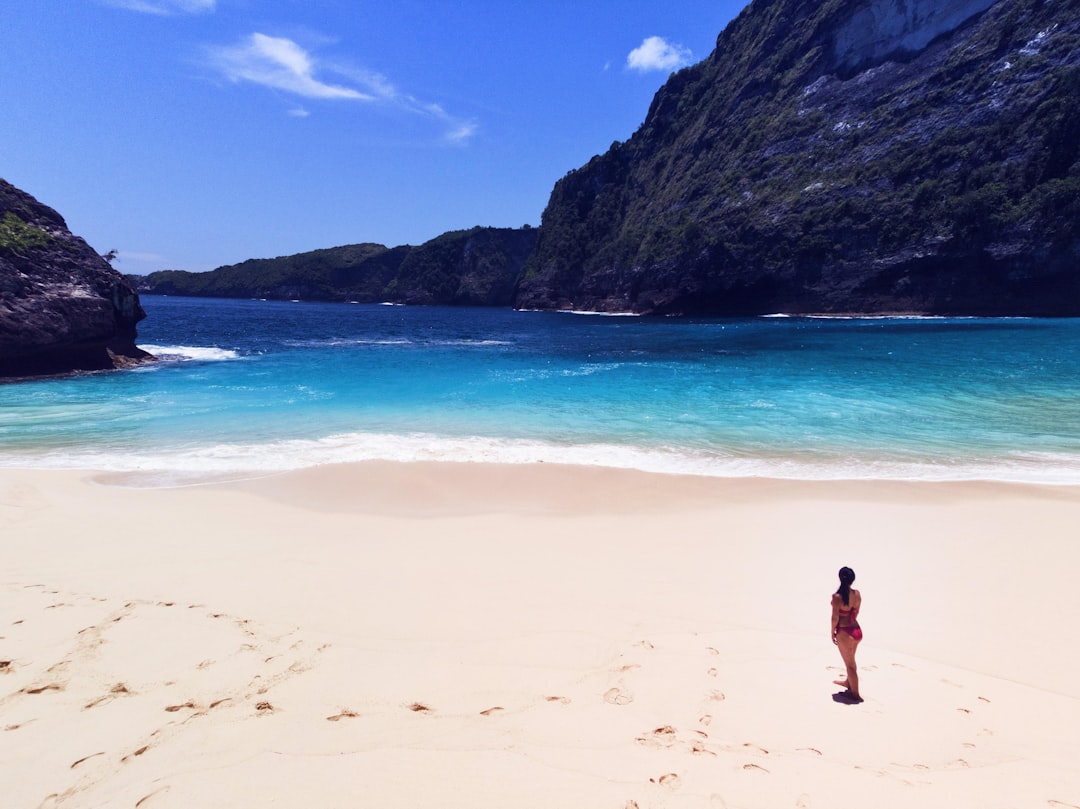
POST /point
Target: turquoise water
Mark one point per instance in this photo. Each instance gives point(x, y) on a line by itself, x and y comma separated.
point(250, 386)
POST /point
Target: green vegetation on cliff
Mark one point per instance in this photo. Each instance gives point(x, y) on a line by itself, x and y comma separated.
point(17, 236)
point(792, 171)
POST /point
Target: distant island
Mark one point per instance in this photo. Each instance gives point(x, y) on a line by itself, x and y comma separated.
point(477, 267)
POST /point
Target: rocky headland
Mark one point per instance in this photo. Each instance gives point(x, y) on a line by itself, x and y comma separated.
point(847, 156)
point(63, 308)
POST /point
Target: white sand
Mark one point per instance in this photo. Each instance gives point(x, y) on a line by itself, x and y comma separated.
point(483, 636)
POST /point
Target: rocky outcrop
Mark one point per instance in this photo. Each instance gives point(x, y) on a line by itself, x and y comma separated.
point(837, 156)
point(62, 307)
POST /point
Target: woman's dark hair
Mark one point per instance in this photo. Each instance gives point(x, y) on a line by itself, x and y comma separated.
point(847, 576)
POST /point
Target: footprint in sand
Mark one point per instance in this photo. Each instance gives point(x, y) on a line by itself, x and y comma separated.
point(138, 752)
point(493, 710)
point(705, 719)
point(147, 797)
point(85, 758)
point(754, 767)
point(660, 737)
point(668, 779)
point(562, 700)
point(418, 707)
point(43, 688)
point(116, 691)
point(345, 714)
point(615, 696)
point(715, 696)
point(712, 672)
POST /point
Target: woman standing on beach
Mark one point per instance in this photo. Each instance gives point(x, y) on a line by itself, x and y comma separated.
point(844, 628)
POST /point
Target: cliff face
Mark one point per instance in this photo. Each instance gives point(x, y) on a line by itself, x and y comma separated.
point(477, 267)
point(840, 156)
point(62, 307)
point(878, 31)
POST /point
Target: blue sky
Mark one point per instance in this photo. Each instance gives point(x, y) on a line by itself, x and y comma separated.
point(187, 134)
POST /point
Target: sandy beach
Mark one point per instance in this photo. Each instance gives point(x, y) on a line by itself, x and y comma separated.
point(451, 635)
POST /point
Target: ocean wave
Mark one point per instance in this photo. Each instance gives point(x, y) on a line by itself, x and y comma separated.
point(824, 316)
point(336, 342)
point(597, 314)
point(187, 464)
point(191, 353)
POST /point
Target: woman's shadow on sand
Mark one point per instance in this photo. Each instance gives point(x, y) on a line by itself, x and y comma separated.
point(845, 697)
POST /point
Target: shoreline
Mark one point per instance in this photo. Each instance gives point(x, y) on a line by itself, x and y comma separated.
point(443, 634)
point(209, 465)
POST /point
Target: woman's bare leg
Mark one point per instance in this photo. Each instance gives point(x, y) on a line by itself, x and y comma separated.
point(847, 645)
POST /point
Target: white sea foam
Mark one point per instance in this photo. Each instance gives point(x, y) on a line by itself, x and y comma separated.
point(190, 353)
point(824, 316)
point(190, 464)
point(335, 342)
point(597, 314)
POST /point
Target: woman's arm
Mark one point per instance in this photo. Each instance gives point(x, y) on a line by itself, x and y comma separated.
point(835, 616)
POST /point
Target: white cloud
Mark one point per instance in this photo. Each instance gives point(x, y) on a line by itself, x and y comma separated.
point(462, 133)
point(165, 6)
point(656, 53)
point(282, 64)
point(279, 63)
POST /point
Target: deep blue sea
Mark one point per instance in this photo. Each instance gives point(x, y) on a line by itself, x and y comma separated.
point(254, 386)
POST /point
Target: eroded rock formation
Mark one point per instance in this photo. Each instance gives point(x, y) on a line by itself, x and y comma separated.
point(62, 307)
